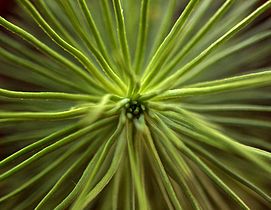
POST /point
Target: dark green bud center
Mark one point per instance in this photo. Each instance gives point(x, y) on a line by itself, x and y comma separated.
point(134, 109)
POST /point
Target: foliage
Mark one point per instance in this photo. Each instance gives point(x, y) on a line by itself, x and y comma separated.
point(136, 105)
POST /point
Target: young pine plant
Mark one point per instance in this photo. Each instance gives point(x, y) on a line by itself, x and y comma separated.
point(136, 104)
